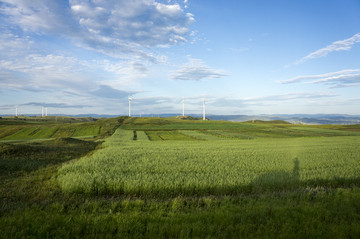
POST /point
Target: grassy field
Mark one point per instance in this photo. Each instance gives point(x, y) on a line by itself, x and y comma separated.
point(13, 129)
point(229, 167)
point(161, 178)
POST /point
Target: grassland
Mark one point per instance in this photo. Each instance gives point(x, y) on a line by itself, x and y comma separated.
point(169, 178)
point(16, 129)
point(228, 167)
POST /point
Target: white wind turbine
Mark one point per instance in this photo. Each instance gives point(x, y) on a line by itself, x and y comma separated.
point(204, 108)
point(183, 107)
point(129, 106)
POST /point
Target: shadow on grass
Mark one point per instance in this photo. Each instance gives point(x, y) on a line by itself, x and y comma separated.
point(269, 182)
point(278, 179)
point(27, 157)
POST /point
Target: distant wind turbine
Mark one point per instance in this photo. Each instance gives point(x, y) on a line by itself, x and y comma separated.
point(183, 107)
point(204, 108)
point(129, 106)
point(16, 111)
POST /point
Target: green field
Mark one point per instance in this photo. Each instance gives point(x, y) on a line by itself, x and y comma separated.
point(171, 178)
point(227, 167)
point(33, 129)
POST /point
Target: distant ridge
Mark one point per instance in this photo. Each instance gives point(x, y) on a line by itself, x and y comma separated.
point(291, 118)
point(267, 122)
point(186, 117)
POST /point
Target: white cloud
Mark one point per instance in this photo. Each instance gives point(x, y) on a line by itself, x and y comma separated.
point(169, 10)
point(268, 103)
point(291, 96)
point(126, 73)
point(117, 28)
point(196, 70)
point(343, 45)
point(344, 78)
point(37, 16)
point(13, 44)
point(239, 50)
point(105, 91)
point(39, 72)
point(54, 105)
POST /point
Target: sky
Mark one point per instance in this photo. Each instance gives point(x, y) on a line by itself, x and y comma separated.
point(245, 57)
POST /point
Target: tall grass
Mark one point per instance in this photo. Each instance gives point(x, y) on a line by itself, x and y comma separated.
point(28, 131)
point(264, 187)
point(180, 167)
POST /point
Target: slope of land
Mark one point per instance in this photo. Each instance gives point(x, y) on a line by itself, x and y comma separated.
point(174, 178)
point(33, 128)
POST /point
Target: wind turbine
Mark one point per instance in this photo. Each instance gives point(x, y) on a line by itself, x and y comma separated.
point(183, 107)
point(129, 106)
point(16, 111)
point(45, 111)
point(204, 108)
point(42, 111)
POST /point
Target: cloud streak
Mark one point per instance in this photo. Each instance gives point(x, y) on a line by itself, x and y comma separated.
point(344, 78)
point(291, 96)
point(54, 105)
point(109, 92)
point(343, 45)
point(196, 70)
point(37, 72)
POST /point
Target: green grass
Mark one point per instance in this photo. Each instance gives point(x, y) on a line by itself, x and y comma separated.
point(26, 157)
point(200, 135)
point(306, 214)
point(240, 130)
point(202, 181)
point(24, 133)
point(91, 130)
point(167, 135)
point(29, 131)
point(212, 167)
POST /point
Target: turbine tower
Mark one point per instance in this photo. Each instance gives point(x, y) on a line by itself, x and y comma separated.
point(129, 106)
point(183, 107)
point(45, 111)
point(204, 108)
point(16, 111)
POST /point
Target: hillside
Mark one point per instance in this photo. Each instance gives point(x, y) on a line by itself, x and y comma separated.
point(174, 178)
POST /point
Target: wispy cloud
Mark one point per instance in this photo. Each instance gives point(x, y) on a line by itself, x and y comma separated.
point(196, 70)
point(291, 96)
point(108, 92)
point(239, 50)
point(344, 78)
point(37, 71)
point(127, 70)
point(226, 104)
point(54, 105)
point(117, 28)
point(343, 45)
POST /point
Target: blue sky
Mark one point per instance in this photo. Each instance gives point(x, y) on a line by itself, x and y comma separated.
point(245, 57)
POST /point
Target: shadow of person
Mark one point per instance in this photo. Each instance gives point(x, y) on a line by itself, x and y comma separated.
point(278, 180)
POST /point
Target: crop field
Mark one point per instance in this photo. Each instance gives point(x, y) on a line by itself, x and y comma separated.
point(170, 178)
point(167, 135)
point(246, 130)
point(28, 130)
point(180, 167)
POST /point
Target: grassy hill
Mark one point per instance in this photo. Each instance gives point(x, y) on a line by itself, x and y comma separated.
point(176, 178)
point(34, 128)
